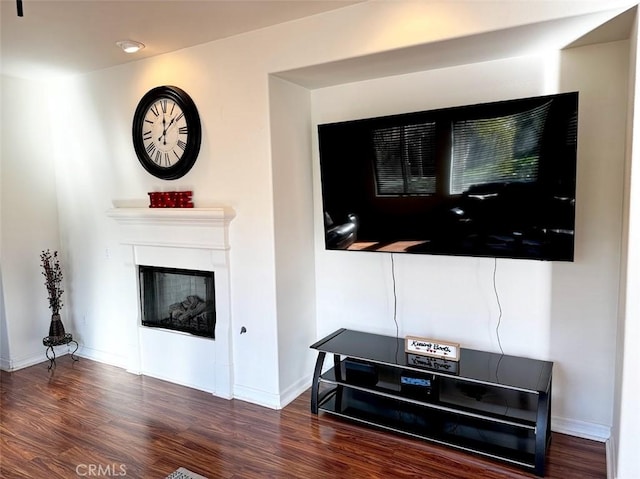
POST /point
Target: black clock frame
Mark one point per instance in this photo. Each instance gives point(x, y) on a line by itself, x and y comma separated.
point(192, 118)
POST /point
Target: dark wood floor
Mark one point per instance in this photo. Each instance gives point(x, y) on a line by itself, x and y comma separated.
point(87, 416)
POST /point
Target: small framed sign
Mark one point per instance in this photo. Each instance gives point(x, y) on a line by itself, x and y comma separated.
point(434, 364)
point(432, 347)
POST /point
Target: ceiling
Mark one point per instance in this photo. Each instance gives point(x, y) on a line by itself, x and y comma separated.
point(63, 37)
point(562, 33)
point(56, 38)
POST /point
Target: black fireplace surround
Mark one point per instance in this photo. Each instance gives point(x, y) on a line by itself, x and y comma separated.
point(178, 299)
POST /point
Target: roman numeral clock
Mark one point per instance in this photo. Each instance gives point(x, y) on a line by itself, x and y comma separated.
point(166, 132)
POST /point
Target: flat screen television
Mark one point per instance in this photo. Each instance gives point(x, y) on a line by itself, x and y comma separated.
point(494, 179)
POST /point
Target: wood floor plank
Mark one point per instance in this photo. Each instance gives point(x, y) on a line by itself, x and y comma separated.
point(56, 424)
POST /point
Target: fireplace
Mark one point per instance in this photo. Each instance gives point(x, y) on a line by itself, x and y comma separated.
point(182, 250)
point(178, 299)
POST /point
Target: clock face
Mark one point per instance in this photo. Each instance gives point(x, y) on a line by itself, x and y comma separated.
point(166, 132)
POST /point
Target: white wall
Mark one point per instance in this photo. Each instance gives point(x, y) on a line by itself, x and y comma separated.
point(5, 354)
point(29, 219)
point(625, 441)
point(290, 112)
point(547, 312)
point(585, 294)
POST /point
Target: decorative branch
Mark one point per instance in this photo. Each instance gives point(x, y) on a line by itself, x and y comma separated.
point(53, 275)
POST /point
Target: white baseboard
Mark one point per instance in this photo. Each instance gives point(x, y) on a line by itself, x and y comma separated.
point(585, 430)
point(272, 401)
point(14, 364)
point(101, 356)
point(11, 364)
point(187, 384)
point(610, 448)
point(293, 391)
point(256, 396)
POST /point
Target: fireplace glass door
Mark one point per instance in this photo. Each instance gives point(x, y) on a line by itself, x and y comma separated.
point(178, 299)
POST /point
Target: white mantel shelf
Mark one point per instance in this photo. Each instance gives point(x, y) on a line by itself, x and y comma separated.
point(175, 227)
point(175, 216)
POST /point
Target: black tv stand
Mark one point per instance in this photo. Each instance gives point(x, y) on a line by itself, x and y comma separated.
point(490, 404)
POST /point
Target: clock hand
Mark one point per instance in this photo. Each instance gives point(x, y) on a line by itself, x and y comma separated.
point(164, 130)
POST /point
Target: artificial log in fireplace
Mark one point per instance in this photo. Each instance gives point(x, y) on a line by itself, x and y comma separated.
point(178, 299)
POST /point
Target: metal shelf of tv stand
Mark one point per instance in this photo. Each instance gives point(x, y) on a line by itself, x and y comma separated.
point(330, 378)
point(540, 424)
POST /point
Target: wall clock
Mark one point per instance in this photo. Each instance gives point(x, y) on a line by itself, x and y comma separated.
point(166, 132)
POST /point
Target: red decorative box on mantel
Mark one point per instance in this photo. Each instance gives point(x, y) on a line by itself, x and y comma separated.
point(171, 199)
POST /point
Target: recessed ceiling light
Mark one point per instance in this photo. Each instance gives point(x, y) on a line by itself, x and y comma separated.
point(130, 46)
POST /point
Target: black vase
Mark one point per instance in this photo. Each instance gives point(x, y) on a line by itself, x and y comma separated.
point(56, 328)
